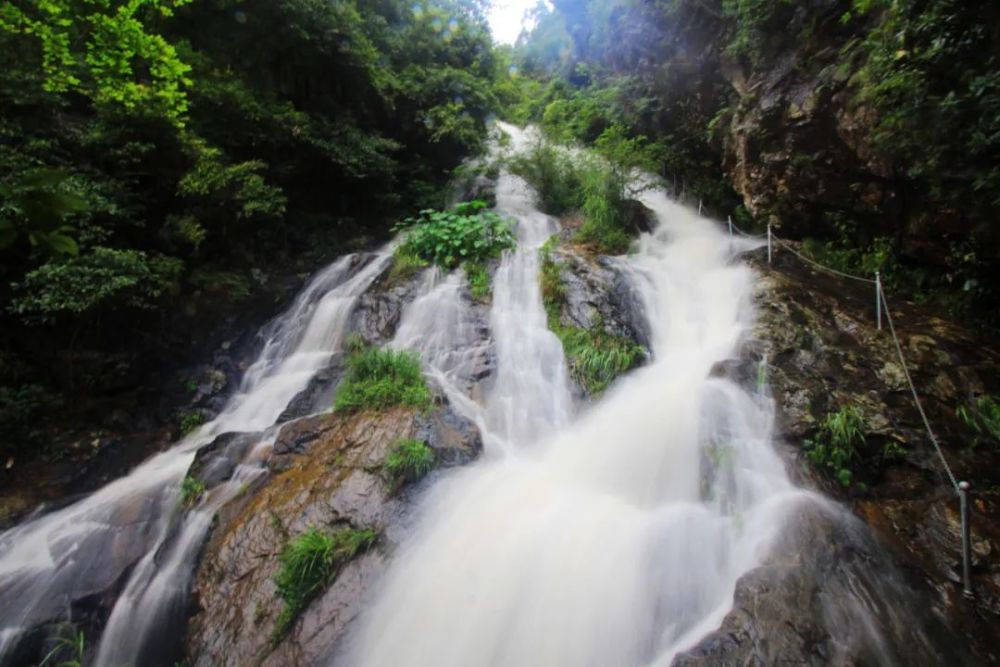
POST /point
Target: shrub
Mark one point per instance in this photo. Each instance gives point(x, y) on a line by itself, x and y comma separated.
point(467, 233)
point(192, 489)
point(309, 562)
point(557, 181)
point(409, 461)
point(381, 379)
point(840, 436)
point(604, 211)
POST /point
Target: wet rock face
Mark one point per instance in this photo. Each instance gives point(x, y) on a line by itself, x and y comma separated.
point(325, 472)
point(598, 292)
point(817, 339)
point(827, 596)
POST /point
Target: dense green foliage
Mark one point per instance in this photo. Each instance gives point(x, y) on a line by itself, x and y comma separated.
point(596, 357)
point(378, 379)
point(467, 233)
point(309, 562)
point(408, 461)
point(841, 435)
point(165, 159)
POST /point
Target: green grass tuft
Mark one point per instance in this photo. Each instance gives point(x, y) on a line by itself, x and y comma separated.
point(380, 379)
point(309, 563)
point(405, 264)
point(408, 461)
point(982, 418)
point(479, 281)
point(840, 436)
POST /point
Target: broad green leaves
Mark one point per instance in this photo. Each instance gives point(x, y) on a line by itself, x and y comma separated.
point(465, 234)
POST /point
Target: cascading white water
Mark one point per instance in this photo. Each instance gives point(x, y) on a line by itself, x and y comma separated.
point(617, 540)
point(79, 549)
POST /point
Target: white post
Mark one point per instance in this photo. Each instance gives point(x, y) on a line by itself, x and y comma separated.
point(769, 243)
point(699, 207)
point(878, 300)
point(730, 219)
point(963, 497)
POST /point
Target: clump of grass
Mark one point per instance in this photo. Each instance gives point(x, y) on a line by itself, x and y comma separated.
point(75, 646)
point(408, 461)
point(380, 379)
point(405, 264)
point(982, 417)
point(840, 436)
point(192, 489)
point(596, 357)
point(479, 281)
point(310, 562)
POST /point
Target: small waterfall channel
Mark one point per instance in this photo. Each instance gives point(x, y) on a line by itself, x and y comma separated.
point(598, 535)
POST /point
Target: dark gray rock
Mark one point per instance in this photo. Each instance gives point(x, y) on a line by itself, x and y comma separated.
point(599, 291)
point(828, 596)
point(319, 393)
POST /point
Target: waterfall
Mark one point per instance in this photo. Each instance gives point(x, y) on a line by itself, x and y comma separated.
point(84, 547)
point(599, 541)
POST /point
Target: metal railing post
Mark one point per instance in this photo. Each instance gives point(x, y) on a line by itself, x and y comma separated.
point(769, 243)
point(963, 497)
point(729, 218)
point(699, 207)
point(878, 300)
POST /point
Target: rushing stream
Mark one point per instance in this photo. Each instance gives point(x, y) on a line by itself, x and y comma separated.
point(611, 534)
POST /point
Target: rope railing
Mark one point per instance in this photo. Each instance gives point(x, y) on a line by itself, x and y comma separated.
point(961, 488)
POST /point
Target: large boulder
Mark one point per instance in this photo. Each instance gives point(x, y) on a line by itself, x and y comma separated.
point(325, 472)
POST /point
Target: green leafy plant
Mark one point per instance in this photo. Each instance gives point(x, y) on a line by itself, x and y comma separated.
point(309, 563)
point(192, 489)
point(380, 379)
point(408, 461)
point(75, 646)
point(467, 233)
point(840, 436)
point(982, 417)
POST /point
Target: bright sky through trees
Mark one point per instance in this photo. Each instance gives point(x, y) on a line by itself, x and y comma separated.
point(507, 18)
